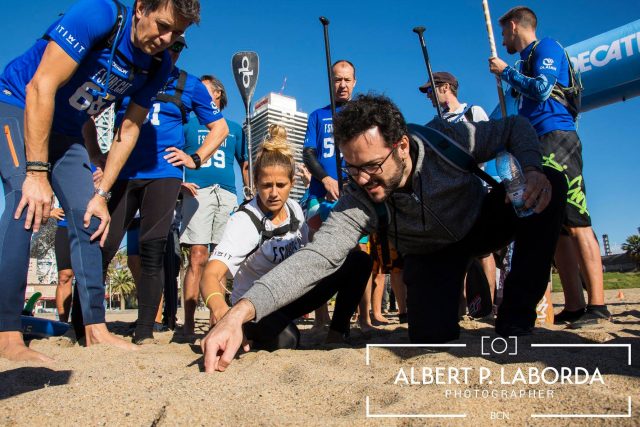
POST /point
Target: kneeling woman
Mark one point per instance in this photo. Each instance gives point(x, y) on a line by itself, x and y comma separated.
point(263, 233)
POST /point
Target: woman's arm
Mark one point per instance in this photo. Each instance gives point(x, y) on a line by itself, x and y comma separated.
point(213, 290)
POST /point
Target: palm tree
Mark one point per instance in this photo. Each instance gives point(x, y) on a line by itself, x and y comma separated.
point(632, 247)
point(121, 284)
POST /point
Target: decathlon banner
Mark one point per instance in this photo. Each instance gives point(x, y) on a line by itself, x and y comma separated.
point(609, 65)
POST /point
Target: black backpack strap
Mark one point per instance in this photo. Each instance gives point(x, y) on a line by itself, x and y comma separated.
point(121, 16)
point(176, 98)
point(257, 223)
point(468, 114)
point(451, 152)
point(293, 225)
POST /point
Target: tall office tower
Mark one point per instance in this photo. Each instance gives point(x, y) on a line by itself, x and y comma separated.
point(104, 125)
point(281, 110)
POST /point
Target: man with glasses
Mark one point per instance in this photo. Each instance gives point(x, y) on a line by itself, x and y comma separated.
point(151, 180)
point(438, 217)
point(210, 197)
point(99, 51)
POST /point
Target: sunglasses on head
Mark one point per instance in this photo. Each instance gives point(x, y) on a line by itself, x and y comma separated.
point(177, 47)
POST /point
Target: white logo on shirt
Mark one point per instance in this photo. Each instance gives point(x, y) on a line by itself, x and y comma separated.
point(547, 64)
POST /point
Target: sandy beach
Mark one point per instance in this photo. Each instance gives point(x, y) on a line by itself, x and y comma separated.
point(477, 381)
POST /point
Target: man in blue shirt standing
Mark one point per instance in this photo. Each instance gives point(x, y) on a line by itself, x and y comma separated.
point(211, 197)
point(150, 180)
point(318, 151)
point(544, 84)
point(97, 52)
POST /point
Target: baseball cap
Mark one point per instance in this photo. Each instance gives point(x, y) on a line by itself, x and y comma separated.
point(439, 78)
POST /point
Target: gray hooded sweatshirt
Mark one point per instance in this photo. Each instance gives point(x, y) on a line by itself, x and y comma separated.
point(441, 207)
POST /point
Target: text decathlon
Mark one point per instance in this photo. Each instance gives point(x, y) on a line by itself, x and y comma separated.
point(605, 53)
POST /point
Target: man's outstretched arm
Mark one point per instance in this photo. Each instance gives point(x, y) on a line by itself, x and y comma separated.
point(223, 342)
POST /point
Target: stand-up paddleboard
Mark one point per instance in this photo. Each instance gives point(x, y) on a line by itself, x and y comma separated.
point(35, 327)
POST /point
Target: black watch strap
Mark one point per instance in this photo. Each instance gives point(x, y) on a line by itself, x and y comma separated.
point(197, 160)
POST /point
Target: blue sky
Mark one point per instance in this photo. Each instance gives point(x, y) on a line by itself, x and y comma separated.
point(376, 36)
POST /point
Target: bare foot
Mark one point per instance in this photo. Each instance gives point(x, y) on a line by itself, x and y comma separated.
point(379, 318)
point(98, 334)
point(367, 328)
point(12, 347)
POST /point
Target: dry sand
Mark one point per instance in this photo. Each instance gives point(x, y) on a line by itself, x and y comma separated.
point(163, 384)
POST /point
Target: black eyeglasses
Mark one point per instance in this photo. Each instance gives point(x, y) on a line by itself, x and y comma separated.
point(429, 91)
point(177, 47)
point(371, 169)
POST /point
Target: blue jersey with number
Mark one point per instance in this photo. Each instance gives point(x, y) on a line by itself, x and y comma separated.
point(163, 129)
point(79, 32)
point(320, 136)
point(219, 168)
point(549, 59)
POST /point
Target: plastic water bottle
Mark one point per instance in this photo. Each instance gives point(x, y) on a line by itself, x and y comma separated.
point(514, 181)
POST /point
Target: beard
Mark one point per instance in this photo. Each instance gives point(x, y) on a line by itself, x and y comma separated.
point(390, 184)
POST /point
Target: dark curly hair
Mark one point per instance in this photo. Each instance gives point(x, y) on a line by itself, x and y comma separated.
point(366, 112)
point(188, 9)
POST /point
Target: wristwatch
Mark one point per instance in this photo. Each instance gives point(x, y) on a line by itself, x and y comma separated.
point(106, 195)
point(197, 160)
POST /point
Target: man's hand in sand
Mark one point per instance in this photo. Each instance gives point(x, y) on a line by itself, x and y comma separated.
point(222, 343)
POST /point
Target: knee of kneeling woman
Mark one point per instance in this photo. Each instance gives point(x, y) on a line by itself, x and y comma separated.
point(288, 338)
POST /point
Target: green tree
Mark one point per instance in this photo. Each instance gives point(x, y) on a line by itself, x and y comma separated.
point(119, 278)
point(121, 284)
point(632, 247)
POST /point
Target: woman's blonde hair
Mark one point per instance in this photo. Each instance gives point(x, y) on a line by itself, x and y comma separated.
point(275, 151)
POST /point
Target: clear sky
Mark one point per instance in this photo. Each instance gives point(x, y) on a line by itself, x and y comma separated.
point(376, 36)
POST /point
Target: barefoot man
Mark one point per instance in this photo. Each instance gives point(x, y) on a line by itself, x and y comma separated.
point(97, 52)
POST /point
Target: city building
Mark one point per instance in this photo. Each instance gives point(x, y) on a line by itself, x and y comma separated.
point(275, 108)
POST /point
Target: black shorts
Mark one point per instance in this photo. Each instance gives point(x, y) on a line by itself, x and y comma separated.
point(562, 150)
point(63, 249)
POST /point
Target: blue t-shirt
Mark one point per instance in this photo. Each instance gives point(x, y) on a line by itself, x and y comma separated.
point(219, 168)
point(320, 136)
point(78, 32)
point(163, 129)
point(549, 59)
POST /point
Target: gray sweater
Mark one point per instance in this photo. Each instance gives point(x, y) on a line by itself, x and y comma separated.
point(441, 209)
